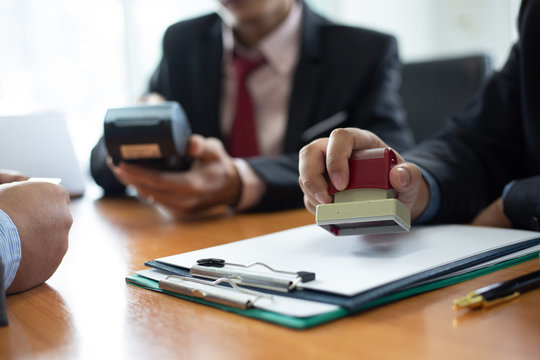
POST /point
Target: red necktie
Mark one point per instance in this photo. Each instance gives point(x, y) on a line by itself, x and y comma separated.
point(243, 138)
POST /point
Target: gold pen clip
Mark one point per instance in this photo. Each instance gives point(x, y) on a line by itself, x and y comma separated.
point(474, 301)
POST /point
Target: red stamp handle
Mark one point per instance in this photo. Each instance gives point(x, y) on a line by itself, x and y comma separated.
point(369, 169)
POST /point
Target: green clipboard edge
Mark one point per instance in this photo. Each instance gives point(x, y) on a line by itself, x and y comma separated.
point(304, 323)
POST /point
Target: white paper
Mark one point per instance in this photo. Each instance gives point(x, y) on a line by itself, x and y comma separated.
point(349, 265)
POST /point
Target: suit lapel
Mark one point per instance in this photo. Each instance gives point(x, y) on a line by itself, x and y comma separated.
point(306, 80)
point(208, 78)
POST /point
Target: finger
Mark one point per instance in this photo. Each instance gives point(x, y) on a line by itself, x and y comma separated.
point(119, 174)
point(158, 196)
point(110, 163)
point(195, 145)
point(309, 205)
point(138, 176)
point(210, 149)
point(312, 170)
point(7, 176)
point(318, 197)
point(184, 205)
point(187, 183)
point(406, 178)
point(152, 99)
point(133, 175)
point(178, 203)
point(311, 200)
point(341, 144)
point(204, 149)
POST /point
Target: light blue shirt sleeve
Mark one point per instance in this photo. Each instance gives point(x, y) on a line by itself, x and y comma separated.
point(507, 188)
point(434, 203)
point(10, 248)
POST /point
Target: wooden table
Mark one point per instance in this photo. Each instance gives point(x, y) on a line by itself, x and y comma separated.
point(87, 311)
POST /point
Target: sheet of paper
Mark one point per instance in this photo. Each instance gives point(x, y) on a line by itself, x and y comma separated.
point(353, 264)
point(275, 303)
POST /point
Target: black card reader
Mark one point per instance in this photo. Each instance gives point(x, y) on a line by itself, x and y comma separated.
point(154, 136)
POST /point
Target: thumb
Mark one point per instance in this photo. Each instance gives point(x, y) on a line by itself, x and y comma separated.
point(195, 145)
point(205, 149)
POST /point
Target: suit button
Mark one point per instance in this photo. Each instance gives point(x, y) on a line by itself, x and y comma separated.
point(535, 224)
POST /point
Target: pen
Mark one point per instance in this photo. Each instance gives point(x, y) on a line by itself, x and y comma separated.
point(499, 292)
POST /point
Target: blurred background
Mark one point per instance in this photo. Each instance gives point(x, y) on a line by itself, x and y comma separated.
point(81, 57)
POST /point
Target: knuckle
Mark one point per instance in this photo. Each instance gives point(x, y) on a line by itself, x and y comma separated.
point(311, 147)
point(339, 132)
point(304, 151)
point(215, 143)
point(57, 191)
point(308, 183)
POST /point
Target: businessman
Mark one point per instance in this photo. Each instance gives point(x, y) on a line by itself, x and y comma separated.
point(483, 168)
point(259, 80)
point(34, 227)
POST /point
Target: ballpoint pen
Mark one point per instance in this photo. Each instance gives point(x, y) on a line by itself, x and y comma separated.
point(496, 293)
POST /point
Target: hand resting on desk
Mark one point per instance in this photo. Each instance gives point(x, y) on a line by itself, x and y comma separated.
point(41, 214)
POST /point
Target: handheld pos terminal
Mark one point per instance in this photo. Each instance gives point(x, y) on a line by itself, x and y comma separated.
point(368, 205)
point(154, 136)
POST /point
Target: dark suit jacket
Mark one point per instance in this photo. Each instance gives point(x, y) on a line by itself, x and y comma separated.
point(495, 140)
point(3, 310)
point(340, 69)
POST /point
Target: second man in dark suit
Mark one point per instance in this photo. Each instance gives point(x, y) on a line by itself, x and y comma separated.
point(483, 168)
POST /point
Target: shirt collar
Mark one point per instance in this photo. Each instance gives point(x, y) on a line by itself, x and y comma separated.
point(280, 48)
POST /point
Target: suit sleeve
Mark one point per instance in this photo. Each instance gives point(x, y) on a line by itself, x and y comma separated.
point(522, 203)
point(376, 107)
point(281, 177)
point(479, 151)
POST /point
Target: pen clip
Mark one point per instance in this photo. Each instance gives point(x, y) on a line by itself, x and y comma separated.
point(211, 291)
point(500, 292)
point(277, 280)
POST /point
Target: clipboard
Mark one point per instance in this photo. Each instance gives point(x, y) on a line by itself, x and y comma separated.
point(490, 250)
